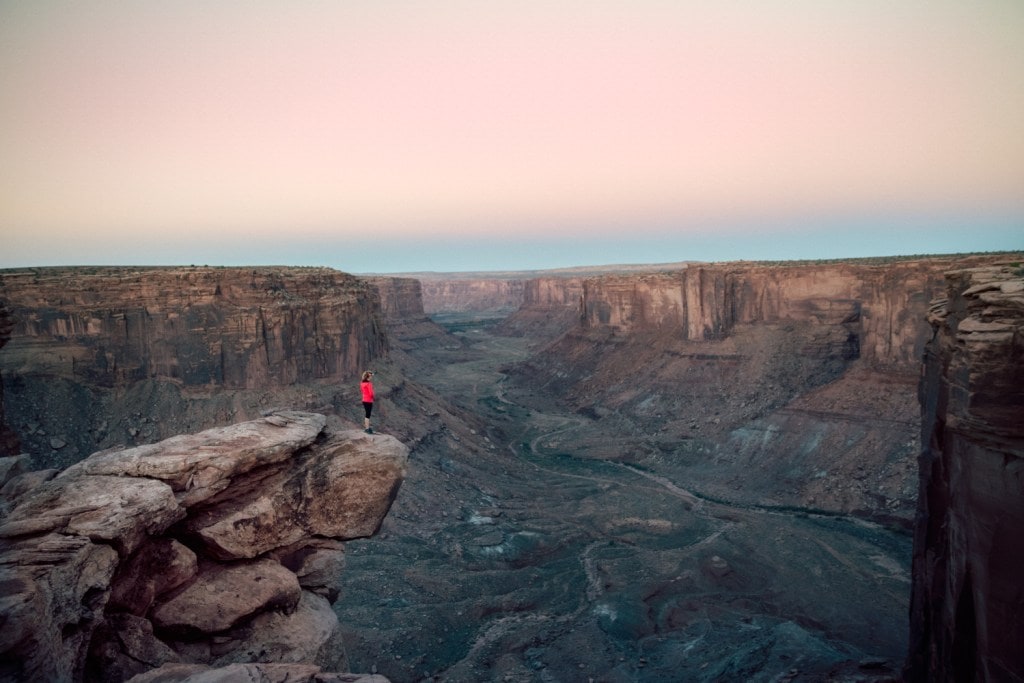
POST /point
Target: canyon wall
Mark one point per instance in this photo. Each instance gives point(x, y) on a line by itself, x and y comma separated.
point(874, 312)
point(968, 559)
point(229, 327)
point(494, 296)
point(550, 307)
point(401, 298)
point(217, 548)
point(409, 327)
point(103, 356)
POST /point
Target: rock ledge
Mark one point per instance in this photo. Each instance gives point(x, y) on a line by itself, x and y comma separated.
point(218, 549)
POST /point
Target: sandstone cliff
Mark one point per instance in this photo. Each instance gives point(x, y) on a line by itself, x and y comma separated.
point(218, 548)
point(550, 307)
point(100, 356)
point(873, 312)
point(494, 296)
point(401, 298)
point(968, 558)
point(231, 327)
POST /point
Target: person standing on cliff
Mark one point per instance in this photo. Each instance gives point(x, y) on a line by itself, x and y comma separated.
point(366, 385)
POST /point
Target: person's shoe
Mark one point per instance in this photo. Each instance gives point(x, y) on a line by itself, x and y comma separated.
point(368, 430)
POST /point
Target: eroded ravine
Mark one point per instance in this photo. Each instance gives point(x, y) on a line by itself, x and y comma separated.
point(561, 567)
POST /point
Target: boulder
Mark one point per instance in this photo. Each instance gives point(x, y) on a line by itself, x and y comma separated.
point(318, 563)
point(157, 568)
point(108, 569)
point(341, 490)
point(123, 646)
point(121, 511)
point(221, 596)
point(55, 589)
point(307, 634)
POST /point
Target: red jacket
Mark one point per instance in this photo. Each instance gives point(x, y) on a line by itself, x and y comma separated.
point(367, 388)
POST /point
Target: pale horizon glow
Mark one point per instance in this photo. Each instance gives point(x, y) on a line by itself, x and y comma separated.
point(398, 137)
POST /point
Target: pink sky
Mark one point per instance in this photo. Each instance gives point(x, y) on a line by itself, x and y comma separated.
point(333, 132)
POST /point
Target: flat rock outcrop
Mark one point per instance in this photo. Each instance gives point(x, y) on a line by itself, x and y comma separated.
point(219, 548)
point(968, 557)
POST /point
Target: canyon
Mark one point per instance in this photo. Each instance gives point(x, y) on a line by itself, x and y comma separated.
point(700, 472)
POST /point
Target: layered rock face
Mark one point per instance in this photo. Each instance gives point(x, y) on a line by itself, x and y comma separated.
point(968, 557)
point(213, 549)
point(471, 295)
point(862, 311)
point(100, 356)
point(230, 327)
point(551, 306)
point(401, 298)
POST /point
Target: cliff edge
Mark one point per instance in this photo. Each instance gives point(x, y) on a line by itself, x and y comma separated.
point(99, 357)
point(218, 548)
point(968, 560)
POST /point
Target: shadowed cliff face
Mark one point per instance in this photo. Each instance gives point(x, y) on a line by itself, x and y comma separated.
point(968, 557)
point(98, 356)
point(401, 298)
point(550, 307)
point(8, 440)
point(230, 327)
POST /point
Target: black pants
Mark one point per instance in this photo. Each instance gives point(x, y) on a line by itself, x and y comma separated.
point(368, 408)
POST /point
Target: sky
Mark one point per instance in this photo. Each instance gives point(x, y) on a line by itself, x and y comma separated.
point(402, 136)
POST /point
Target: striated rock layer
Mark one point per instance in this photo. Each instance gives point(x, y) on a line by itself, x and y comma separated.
point(401, 298)
point(475, 295)
point(550, 307)
point(968, 558)
point(861, 311)
point(217, 548)
point(104, 356)
point(232, 327)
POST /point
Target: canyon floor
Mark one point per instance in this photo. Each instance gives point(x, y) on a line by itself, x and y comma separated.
point(533, 544)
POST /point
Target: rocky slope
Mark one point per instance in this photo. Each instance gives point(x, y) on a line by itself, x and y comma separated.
point(213, 549)
point(968, 559)
point(103, 356)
